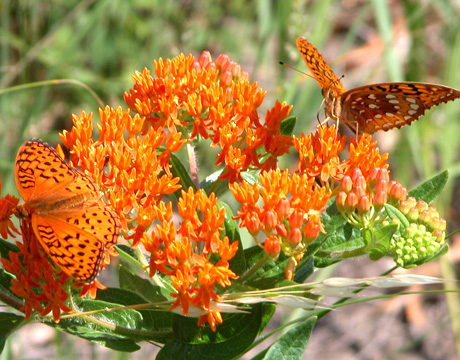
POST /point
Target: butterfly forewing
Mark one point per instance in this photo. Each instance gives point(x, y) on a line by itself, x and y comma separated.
point(321, 71)
point(40, 171)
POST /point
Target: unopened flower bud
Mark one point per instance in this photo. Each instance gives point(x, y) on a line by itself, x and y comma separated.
point(272, 246)
point(413, 214)
point(283, 208)
point(226, 78)
point(244, 75)
point(229, 94)
point(270, 220)
point(311, 231)
point(236, 70)
point(340, 201)
point(355, 173)
point(396, 192)
point(281, 230)
point(253, 225)
point(351, 202)
point(406, 205)
point(364, 205)
point(421, 205)
point(380, 199)
point(296, 219)
point(211, 67)
point(197, 67)
point(439, 235)
point(346, 184)
point(205, 58)
point(222, 60)
point(295, 237)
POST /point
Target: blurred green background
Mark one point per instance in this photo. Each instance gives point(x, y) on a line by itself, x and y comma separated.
point(101, 43)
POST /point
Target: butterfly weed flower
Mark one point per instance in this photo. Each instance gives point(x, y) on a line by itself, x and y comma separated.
point(288, 219)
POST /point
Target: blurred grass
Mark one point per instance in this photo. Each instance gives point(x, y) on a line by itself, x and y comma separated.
point(101, 43)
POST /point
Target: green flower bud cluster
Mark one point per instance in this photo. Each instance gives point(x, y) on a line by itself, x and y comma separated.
point(422, 239)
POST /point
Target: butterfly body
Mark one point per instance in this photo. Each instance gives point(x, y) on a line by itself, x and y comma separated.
point(66, 211)
point(370, 108)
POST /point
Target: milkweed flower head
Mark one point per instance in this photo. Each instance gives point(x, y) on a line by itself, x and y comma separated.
point(288, 219)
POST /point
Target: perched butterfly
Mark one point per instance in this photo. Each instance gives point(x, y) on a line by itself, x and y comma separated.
point(373, 107)
point(67, 214)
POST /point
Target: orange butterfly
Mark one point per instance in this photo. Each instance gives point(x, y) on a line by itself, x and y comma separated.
point(373, 107)
point(67, 214)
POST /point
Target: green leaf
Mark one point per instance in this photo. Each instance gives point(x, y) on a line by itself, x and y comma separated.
point(231, 339)
point(179, 170)
point(116, 330)
point(8, 323)
point(6, 247)
point(287, 126)
point(251, 177)
point(143, 287)
point(157, 323)
point(430, 189)
point(379, 240)
point(293, 344)
point(212, 184)
point(394, 213)
point(238, 262)
point(8, 297)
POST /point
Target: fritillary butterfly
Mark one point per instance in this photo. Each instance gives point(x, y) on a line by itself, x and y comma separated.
point(67, 214)
point(373, 107)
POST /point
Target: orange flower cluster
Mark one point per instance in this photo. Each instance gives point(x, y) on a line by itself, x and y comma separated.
point(290, 215)
point(216, 101)
point(292, 203)
point(175, 251)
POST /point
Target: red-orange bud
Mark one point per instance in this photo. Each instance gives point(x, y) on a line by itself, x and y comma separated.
point(311, 232)
point(295, 236)
point(296, 219)
point(281, 230)
point(253, 225)
point(380, 199)
point(355, 173)
point(205, 58)
point(346, 184)
point(283, 208)
point(351, 202)
point(226, 78)
point(340, 201)
point(222, 60)
point(270, 220)
point(196, 65)
point(364, 204)
point(272, 246)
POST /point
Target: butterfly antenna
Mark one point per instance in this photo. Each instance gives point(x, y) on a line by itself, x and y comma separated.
point(293, 68)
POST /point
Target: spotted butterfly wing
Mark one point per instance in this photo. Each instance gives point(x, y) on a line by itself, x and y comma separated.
point(373, 107)
point(68, 217)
